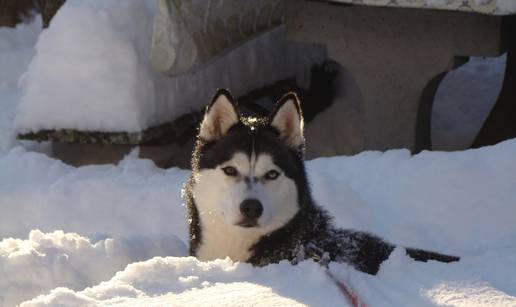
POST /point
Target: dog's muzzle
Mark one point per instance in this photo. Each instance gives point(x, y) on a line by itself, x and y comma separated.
point(251, 209)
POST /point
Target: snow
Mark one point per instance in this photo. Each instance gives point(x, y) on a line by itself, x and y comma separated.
point(92, 71)
point(463, 100)
point(459, 203)
point(16, 52)
point(48, 260)
point(220, 282)
point(91, 200)
point(506, 6)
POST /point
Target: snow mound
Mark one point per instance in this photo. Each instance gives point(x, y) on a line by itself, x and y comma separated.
point(473, 281)
point(45, 261)
point(92, 71)
point(401, 282)
point(131, 199)
point(90, 61)
point(186, 281)
point(433, 199)
point(459, 203)
point(455, 202)
point(463, 101)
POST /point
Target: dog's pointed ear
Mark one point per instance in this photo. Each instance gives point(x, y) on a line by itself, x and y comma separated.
point(220, 116)
point(286, 117)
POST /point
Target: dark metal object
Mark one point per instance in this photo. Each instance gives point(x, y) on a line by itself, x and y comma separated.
point(500, 125)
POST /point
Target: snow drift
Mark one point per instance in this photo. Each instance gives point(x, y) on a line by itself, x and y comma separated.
point(45, 261)
point(92, 71)
point(458, 203)
point(186, 281)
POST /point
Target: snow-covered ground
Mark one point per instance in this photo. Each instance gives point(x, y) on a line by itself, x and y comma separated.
point(116, 234)
point(459, 203)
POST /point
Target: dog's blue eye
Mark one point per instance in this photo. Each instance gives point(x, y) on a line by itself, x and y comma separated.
point(230, 171)
point(271, 175)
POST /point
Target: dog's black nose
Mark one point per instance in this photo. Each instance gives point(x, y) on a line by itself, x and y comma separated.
point(251, 208)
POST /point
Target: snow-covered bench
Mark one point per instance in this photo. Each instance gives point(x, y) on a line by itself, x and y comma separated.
point(92, 82)
point(398, 51)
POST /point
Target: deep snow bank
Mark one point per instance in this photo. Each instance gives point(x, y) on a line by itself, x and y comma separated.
point(460, 203)
point(186, 281)
point(133, 198)
point(45, 261)
point(434, 199)
point(475, 281)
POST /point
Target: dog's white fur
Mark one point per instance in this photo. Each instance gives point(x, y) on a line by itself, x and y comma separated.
point(221, 116)
point(289, 123)
point(218, 196)
point(218, 199)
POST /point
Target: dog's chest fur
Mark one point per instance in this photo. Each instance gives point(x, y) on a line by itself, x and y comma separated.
point(220, 240)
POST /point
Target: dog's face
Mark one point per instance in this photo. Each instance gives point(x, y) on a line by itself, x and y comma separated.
point(246, 171)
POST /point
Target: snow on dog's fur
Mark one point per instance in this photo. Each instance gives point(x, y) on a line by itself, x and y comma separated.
point(248, 196)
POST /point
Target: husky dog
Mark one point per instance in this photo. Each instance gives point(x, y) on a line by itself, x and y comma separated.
point(248, 196)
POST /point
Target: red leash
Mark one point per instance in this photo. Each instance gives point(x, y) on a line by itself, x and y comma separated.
point(346, 291)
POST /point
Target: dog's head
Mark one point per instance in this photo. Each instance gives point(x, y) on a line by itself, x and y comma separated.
point(248, 172)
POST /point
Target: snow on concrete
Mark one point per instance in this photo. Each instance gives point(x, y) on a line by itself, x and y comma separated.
point(92, 71)
point(459, 203)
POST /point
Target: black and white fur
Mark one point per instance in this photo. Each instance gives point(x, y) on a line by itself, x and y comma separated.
point(248, 197)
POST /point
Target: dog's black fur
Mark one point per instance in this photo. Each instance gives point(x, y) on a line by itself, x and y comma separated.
point(311, 233)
